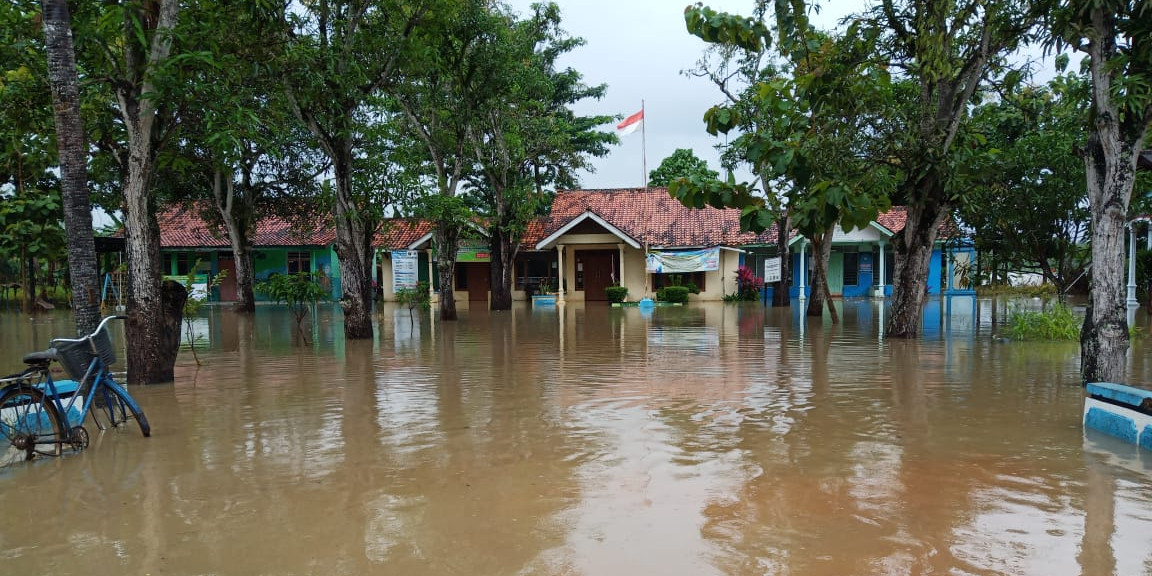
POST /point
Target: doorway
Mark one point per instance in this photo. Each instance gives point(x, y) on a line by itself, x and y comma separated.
point(595, 271)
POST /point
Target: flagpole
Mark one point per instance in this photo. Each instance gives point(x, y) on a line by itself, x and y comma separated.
point(644, 144)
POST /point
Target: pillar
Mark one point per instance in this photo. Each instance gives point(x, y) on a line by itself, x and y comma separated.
point(560, 273)
point(1132, 303)
point(431, 276)
point(879, 292)
point(803, 272)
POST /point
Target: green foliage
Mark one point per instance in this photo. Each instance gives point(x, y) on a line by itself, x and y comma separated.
point(616, 293)
point(298, 291)
point(1055, 323)
point(683, 163)
point(1027, 205)
point(673, 294)
point(414, 298)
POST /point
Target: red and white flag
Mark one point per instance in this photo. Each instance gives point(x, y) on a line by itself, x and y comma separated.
point(631, 123)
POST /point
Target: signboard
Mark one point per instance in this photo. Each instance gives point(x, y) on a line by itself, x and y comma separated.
point(405, 269)
point(681, 261)
point(772, 269)
point(481, 254)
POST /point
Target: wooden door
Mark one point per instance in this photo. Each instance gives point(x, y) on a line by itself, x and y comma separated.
point(597, 267)
point(479, 280)
point(228, 285)
point(836, 273)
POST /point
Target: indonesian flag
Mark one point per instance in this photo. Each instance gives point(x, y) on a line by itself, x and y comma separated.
point(630, 124)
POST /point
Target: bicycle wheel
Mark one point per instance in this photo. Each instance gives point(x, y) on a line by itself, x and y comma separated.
point(118, 407)
point(29, 425)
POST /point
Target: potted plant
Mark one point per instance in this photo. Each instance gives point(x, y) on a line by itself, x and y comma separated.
point(546, 296)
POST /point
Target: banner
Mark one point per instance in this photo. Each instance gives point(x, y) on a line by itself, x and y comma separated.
point(680, 261)
point(473, 254)
point(772, 269)
point(405, 269)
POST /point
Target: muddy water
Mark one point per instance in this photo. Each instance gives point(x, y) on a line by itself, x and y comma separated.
point(703, 440)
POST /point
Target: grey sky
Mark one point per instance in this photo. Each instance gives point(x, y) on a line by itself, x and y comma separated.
point(639, 48)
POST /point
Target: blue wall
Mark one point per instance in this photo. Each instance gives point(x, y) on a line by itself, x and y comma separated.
point(867, 277)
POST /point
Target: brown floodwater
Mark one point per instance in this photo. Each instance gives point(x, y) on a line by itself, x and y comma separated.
point(707, 439)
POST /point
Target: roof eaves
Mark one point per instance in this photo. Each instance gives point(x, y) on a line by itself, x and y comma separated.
point(587, 215)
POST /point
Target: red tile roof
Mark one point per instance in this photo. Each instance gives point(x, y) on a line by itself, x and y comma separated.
point(400, 233)
point(648, 216)
point(184, 227)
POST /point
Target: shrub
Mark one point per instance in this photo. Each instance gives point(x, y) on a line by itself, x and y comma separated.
point(617, 293)
point(673, 294)
point(1056, 323)
point(298, 291)
point(748, 284)
point(414, 298)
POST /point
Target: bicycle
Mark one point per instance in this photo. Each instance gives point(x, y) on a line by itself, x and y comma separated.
point(40, 416)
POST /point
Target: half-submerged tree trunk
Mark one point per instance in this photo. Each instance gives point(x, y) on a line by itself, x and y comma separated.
point(236, 225)
point(147, 328)
point(354, 231)
point(781, 295)
point(1115, 138)
point(447, 239)
point(73, 149)
point(503, 248)
point(821, 294)
point(913, 246)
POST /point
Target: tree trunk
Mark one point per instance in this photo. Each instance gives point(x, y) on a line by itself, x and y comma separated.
point(354, 248)
point(503, 266)
point(224, 194)
point(1114, 143)
point(781, 295)
point(1111, 167)
point(914, 249)
point(73, 150)
point(30, 285)
point(446, 245)
point(146, 329)
point(821, 254)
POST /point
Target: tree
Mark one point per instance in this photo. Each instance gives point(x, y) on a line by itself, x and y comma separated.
point(683, 163)
point(1028, 206)
point(341, 55)
point(806, 139)
point(947, 55)
point(240, 150)
point(128, 48)
point(447, 83)
point(527, 137)
point(72, 146)
point(1116, 38)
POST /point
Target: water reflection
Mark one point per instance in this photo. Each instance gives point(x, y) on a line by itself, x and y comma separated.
point(707, 439)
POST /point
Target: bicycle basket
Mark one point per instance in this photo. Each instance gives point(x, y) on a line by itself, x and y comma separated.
point(75, 356)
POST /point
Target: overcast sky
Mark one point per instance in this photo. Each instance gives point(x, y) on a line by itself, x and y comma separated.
point(639, 49)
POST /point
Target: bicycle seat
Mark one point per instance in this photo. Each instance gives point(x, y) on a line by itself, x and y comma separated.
point(42, 357)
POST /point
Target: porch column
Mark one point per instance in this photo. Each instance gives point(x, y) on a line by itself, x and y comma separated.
point(879, 292)
point(1132, 302)
point(620, 249)
point(560, 273)
point(431, 276)
point(803, 272)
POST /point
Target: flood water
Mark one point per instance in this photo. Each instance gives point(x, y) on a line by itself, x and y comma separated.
point(707, 439)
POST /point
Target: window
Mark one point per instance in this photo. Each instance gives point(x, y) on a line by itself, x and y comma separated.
point(531, 269)
point(177, 264)
point(851, 268)
point(661, 280)
point(299, 262)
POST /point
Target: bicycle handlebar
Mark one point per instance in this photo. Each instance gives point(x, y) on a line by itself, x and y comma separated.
point(100, 327)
